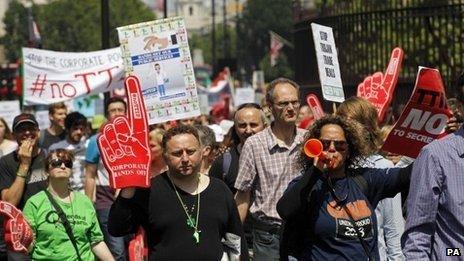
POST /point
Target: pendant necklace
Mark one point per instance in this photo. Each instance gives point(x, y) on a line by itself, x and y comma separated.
point(192, 223)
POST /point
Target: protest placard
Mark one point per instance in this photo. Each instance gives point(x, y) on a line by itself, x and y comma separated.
point(424, 118)
point(10, 109)
point(378, 88)
point(244, 95)
point(158, 53)
point(327, 63)
point(123, 142)
point(51, 76)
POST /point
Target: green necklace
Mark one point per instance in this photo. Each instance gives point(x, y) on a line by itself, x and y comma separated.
point(192, 223)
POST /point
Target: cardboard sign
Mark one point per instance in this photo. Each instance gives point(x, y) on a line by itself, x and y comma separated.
point(123, 142)
point(378, 88)
point(327, 62)
point(158, 53)
point(10, 109)
point(18, 233)
point(424, 118)
point(315, 106)
point(244, 95)
point(51, 76)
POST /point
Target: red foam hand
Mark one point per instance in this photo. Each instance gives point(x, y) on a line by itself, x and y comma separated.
point(315, 106)
point(137, 247)
point(18, 233)
point(124, 142)
point(378, 88)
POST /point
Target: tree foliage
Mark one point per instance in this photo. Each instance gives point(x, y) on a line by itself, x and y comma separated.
point(260, 16)
point(204, 42)
point(16, 30)
point(69, 25)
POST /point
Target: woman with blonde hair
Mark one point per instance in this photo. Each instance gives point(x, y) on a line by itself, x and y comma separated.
point(64, 222)
point(158, 165)
point(390, 221)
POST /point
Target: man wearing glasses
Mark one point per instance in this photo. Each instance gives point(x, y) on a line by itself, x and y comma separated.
point(267, 166)
point(22, 172)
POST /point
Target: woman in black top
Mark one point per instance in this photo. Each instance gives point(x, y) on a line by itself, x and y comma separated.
point(329, 210)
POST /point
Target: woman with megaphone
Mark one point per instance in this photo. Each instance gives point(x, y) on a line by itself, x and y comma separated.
point(329, 210)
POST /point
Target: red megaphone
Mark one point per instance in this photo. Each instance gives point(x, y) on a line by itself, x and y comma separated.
point(313, 148)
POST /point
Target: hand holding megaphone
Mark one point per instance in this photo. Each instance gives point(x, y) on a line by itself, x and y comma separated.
point(313, 149)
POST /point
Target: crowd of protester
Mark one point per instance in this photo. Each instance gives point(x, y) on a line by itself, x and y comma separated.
point(239, 189)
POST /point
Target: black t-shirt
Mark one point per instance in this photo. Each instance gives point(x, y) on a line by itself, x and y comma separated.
point(328, 231)
point(35, 182)
point(161, 214)
point(47, 139)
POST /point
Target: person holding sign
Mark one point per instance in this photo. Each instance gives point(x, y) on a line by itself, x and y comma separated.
point(21, 172)
point(187, 215)
point(331, 205)
point(64, 222)
point(435, 203)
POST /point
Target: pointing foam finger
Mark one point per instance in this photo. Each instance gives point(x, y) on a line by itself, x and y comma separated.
point(137, 112)
point(393, 68)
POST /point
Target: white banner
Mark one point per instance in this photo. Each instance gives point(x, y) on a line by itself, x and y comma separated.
point(244, 95)
point(51, 76)
point(9, 110)
point(327, 62)
point(158, 53)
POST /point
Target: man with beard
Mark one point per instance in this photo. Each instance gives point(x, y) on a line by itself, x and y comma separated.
point(75, 125)
point(267, 167)
point(22, 171)
point(187, 215)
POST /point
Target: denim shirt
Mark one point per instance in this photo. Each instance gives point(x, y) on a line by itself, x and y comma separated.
point(390, 222)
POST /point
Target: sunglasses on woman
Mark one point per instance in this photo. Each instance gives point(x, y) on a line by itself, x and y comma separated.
point(56, 163)
point(340, 145)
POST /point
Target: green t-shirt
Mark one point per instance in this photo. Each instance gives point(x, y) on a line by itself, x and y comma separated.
point(52, 241)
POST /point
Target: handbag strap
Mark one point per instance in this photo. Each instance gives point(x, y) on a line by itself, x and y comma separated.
point(353, 223)
point(65, 222)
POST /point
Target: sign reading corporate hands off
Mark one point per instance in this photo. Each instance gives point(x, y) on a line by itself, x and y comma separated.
point(123, 142)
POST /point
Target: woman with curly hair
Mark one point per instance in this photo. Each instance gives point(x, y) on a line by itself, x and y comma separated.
point(329, 210)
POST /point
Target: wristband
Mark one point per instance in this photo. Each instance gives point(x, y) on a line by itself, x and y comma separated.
point(24, 176)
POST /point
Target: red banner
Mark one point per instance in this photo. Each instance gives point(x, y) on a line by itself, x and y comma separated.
point(424, 119)
point(315, 106)
point(124, 142)
point(378, 88)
